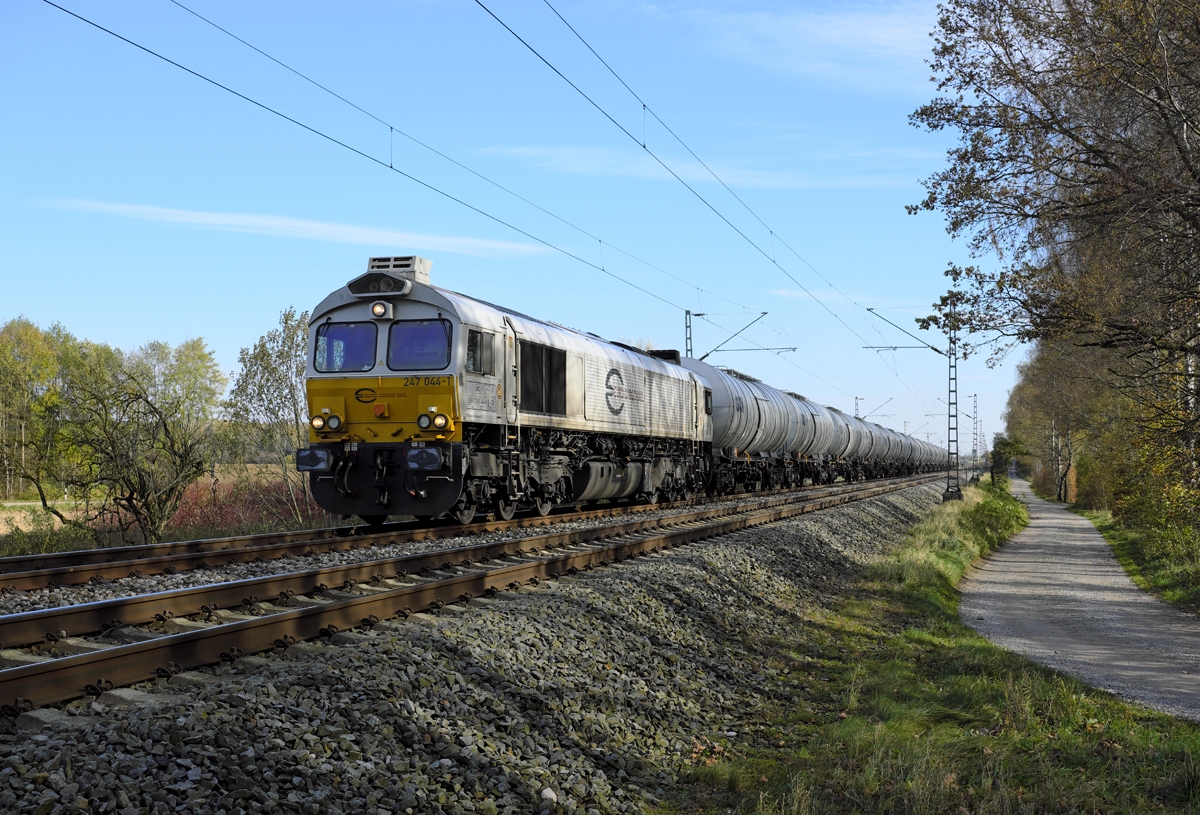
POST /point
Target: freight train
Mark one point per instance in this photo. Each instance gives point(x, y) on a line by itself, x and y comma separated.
point(426, 402)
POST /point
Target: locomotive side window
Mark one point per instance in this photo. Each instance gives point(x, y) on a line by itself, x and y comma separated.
point(480, 350)
point(707, 401)
point(419, 345)
point(543, 379)
point(345, 347)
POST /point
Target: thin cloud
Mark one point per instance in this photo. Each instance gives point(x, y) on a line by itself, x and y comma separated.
point(283, 227)
point(611, 163)
point(873, 47)
point(823, 295)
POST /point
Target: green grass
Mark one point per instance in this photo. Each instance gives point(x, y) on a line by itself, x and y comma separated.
point(1164, 564)
point(886, 703)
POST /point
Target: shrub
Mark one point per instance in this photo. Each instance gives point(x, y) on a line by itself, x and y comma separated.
point(996, 518)
point(38, 533)
point(237, 509)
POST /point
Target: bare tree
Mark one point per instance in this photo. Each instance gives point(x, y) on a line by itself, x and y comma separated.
point(268, 414)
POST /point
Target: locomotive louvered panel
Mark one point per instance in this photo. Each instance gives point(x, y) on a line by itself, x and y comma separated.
point(408, 266)
point(670, 407)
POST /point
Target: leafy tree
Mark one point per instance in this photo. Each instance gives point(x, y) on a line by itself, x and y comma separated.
point(268, 413)
point(28, 365)
point(1004, 450)
point(1077, 166)
point(1069, 421)
point(124, 434)
point(1075, 118)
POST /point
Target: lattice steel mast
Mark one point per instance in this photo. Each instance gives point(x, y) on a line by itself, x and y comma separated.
point(953, 490)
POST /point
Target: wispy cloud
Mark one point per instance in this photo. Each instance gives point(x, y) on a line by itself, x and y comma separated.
point(875, 47)
point(824, 295)
point(284, 227)
point(611, 163)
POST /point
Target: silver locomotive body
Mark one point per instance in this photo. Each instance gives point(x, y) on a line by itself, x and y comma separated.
point(423, 402)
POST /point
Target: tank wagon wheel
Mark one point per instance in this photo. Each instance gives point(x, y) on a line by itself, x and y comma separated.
point(543, 506)
point(374, 520)
point(505, 509)
point(463, 513)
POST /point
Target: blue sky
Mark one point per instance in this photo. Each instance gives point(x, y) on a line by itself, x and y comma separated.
point(141, 202)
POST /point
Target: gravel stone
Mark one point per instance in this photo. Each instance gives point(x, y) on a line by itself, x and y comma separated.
point(582, 695)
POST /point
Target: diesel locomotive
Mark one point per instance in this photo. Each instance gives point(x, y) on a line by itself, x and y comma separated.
point(426, 402)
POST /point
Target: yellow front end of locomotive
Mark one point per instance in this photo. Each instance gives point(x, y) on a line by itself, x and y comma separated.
point(384, 409)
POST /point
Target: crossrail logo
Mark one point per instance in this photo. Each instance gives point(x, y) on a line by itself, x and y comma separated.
point(365, 395)
point(612, 391)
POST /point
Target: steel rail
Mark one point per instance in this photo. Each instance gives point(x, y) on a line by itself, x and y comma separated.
point(145, 562)
point(73, 676)
point(27, 628)
point(79, 557)
point(408, 530)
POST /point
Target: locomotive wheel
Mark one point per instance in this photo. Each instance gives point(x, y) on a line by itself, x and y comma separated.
point(463, 513)
point(543, 506)
point(505, 509)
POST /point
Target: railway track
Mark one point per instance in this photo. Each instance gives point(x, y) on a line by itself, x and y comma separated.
point(55, 655)
point(56, 569)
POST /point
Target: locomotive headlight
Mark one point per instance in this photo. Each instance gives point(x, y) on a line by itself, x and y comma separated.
point(440, 421)
point(424, 421)
point(333, 422)
point(318, 422)
point(381, 310)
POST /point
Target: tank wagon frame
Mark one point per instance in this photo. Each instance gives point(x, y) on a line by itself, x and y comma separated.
point(423, 401)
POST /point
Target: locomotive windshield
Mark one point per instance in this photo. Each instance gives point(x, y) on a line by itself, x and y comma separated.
point(419, 345)
point(345, 347)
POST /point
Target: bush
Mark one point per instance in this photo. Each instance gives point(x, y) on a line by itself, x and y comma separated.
point(997, 517)
point(235, 510)
point(38, 533)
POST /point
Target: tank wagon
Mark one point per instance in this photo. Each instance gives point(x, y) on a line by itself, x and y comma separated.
point(424, 402)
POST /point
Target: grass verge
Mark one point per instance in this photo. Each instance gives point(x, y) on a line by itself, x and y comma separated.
point(1164, 564)
point(886, 703)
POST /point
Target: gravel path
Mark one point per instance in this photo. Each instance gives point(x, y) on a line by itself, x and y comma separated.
point(1056, 594)
point(585, 696)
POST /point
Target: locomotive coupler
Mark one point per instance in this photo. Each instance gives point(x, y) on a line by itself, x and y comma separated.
point(383, 460)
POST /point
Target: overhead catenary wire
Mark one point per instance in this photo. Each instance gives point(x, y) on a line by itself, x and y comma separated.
point(364, 155)
point(668, 168)
point(894, 368)
point(645, 107)
point(388, 164)
point(368, 157)
point(393, 129)
point(791, 362)
point(773, 235)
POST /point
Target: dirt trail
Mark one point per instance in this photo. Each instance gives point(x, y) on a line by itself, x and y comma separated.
point(1056, 594)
